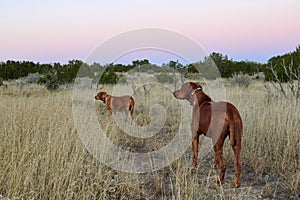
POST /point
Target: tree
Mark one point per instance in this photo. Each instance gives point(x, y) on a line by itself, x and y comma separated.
point(275, 70)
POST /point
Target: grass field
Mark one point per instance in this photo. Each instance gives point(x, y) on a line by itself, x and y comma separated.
point(42, 156)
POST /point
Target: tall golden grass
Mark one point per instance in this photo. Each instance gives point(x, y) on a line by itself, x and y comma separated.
point(42, 156)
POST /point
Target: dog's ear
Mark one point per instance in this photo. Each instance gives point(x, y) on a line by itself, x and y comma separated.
point(195, 85)
point(101, 93)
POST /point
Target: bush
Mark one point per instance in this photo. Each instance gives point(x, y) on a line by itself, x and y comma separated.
point(164, 78)
point(33, 78)
point(1, 81)
point(150, 71)
point(193, 76)
point(241, 79)
point(109, 77)
point(51, 81)
point(122, 79)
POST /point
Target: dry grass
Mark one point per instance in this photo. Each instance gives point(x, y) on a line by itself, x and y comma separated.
point(42, 156)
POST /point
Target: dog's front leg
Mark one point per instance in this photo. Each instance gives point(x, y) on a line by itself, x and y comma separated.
point(195, 135)
point(108, 107)
point(195, 145)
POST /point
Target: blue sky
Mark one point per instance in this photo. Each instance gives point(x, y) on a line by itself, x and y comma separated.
point(58, 31)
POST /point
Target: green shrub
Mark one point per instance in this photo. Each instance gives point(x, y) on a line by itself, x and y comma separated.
point(109, 77)
point(51, 81)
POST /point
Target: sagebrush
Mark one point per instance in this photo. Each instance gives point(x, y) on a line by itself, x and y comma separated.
point(42, 156)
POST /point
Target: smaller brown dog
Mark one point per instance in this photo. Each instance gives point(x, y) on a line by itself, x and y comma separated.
point(122, 103)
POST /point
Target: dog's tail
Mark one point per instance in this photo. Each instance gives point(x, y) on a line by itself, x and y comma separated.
point(131, 105)
point(236, 130)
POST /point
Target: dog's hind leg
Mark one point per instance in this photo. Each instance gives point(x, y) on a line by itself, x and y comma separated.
point(219, 161)
point(219, 158)
point(237, 180)
point(236, 147)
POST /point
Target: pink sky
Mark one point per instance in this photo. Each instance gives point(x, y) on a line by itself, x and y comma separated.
point(58, 31)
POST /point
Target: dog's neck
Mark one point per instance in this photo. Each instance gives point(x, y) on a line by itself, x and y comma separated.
point(105, 98)
point(200, 97)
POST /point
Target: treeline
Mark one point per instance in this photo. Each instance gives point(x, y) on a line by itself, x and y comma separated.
point(66, 73)
point(284, 68)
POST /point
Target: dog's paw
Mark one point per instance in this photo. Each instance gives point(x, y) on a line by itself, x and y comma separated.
point(218, 181)
point(193, 170)
point(236, 183)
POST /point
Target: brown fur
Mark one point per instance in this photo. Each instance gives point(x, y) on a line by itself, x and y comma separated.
point(113, 103)
point(216, 120)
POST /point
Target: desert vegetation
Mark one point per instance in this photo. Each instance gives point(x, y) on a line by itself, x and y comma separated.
point(42, 156)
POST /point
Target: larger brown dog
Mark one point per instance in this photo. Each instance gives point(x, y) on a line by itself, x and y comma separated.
point(113, 103)
point(216, 120)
